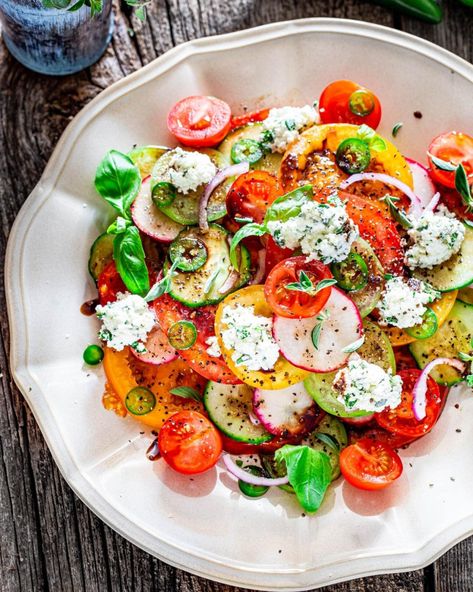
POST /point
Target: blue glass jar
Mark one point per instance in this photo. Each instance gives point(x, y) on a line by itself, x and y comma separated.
point(52, 41)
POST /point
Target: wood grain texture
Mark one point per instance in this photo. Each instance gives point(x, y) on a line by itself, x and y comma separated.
point(50, 540)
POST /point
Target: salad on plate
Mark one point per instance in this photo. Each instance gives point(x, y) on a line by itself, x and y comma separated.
point(283, 292)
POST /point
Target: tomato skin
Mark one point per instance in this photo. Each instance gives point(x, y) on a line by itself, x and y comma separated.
point(246, 118)
point(291, 303)
point(401, 420)
point(199, 121)
point(251, 194)
point(334, 105)
point(109, 284)
point(453, 200)
point(274, 254)
point(370, 465)
point(377, 434)
point(189, 442)
point(453, 147)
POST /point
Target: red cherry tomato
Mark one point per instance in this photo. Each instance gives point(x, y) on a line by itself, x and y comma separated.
point(274, 254)
point(189, 442)
point(455, 148)
point(109, 284)
point(199, 121)
point(454, 202)
point(377, 434)
point(401, 420)
point(344, 101)
point(246, 118)
point(294, 303)
point(369, 464)
point(251, 194)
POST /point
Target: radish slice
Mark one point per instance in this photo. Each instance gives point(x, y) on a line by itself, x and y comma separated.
point(420, 387)
point(149, 219)
point(241, 474)
point(416, 206)
point(284, 412)
point(229, 171)
point(342, 328)
point(424, 187)
point(358, 421)
point(158, 351)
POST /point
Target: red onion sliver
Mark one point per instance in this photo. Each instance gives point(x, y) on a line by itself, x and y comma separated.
point(241, 474)
point(230, 171)
point(260, 268)
point(420, 387)
point(416, 205)
point(433, 203)
point(232, 278)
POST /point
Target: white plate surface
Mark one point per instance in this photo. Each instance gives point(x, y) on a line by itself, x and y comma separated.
point(204, 525)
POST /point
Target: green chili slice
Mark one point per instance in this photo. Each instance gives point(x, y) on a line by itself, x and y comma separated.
point(182, 334)
point(163, 193)
point(361, 103)
point(353, 156)
point(253, 490)
point(351, 274)
point(427, 328)
point(140, 401)
point(93, 355)
point(189, 251)
point(246, 150)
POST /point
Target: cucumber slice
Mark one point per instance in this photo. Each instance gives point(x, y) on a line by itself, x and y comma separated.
point(375, 349)
point(145, 158)
point(335, 430)
point(185, 208)
point(269, 162)
point(101, 253)
point(204, 286)
point(455, 273)
point(466, 295)
point(452, 337)
point(228, 406)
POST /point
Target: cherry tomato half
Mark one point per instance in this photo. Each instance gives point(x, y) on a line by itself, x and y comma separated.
point(109, 284)
point(455, 148)
point(250, 117)
point(292, 303)
point(454, 202)
point(189, 442)
point(251, 194)
point(199, 121)
point(401, 420)
point(344, 101)
point(369, 464)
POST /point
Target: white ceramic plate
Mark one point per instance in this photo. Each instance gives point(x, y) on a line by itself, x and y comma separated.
point(204, 525)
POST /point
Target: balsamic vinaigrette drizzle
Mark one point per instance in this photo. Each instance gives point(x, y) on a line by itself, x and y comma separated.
point(88, 308)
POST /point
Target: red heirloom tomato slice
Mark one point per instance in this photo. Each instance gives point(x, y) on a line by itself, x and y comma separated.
point(369, 464)
point(380, 435)
point(199, 121)
point(251, 194)
point(274, 254)
point(455, 148)
point(344, 101)
point(250, 117)
point(109, 284)
point(291, 303)
point(454, 202)
point(170, 311)
point(189, 442)
point(401, 420)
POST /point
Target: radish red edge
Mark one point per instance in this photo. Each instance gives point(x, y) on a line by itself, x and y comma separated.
point(424, 187)
point(158, 351)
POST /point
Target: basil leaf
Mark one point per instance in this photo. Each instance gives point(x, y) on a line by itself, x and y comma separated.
point(309, 472)
point(288, 206)
point(251, 229)
point(129, 258)
point(118, 226)
point(187, 392)
point(463, 187)
point(469, 380)
point(443, 165)
point(163, 285)
point(396, 129)
point(76, 6)
point(118, 181)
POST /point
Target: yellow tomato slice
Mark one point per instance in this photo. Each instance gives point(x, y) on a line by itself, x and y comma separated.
point(124, 372)
point(441, 308)
point(284, 373)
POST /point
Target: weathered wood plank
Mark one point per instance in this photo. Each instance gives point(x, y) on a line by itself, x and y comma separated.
point(50, 540)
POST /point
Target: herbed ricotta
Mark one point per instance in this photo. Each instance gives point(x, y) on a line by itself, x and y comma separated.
point(189, 170)
point(127, 321)
point(250, 337)
point(362, 386)
point(322, 231)
point(435, 236)
point(214, 349)
point(403, 302)
point(283, 124)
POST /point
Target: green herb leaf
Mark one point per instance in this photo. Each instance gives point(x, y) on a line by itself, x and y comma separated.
point(118, 226)
point(443, 165)
point(465, 357)
point(396, 213)
point(129, 258)
point(463, 187)
point(368, 135)
point(396, 128)
point(309, 472)
point(305, 285)
point(118, 181)
point(315, 335)
point(328, 440)
point(349, 349)
point(251, 229)
point(163, 285)
point(469, 380)
point(76, 6)
point(377, 144)
point(288, 206)
point(186, 392)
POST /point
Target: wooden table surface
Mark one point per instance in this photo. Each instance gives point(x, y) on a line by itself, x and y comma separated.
point(49, 540)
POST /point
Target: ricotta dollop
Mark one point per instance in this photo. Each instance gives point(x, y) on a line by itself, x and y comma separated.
point(403, 302)
point(283, 125)
point(187, 170)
